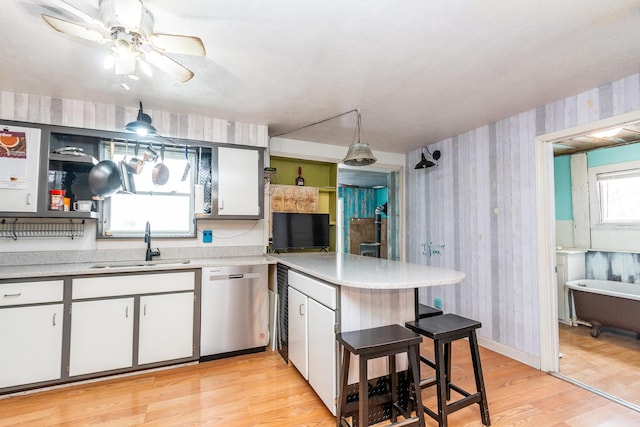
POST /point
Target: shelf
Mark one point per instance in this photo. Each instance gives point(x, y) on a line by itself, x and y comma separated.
point(74, 158)
point(327, 189)
point(72, 214)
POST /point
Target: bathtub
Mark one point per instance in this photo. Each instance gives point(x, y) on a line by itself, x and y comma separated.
point(606, 303)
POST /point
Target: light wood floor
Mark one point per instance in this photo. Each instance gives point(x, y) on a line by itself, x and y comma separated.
point(610, 363)
point(260, 390)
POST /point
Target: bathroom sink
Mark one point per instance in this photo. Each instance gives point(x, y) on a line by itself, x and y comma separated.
point(131, 264)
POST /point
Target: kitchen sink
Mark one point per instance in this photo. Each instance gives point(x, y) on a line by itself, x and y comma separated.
point(130, 264)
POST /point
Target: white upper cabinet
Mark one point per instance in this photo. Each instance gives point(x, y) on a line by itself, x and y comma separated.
point(19, 164)
point(239, 183)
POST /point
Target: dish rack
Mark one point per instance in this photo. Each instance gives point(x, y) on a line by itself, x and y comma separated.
point(20, 227)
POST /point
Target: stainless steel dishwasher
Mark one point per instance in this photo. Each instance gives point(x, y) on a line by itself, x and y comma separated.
point(234, 310)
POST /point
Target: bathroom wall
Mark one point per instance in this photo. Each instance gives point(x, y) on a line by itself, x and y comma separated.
point(616, 266)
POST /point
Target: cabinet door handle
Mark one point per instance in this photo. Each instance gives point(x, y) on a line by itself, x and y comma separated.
point(54, 319)
point(28, 199)
point(145, 310)
point(301, 309)
point(126, 312)
point(221, 205)
point(13, 295)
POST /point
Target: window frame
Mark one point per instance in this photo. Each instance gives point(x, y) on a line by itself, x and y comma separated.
point(632, 167)
point(105, 231)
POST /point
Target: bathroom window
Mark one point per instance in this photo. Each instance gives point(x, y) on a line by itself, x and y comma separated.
point(617, 194)
point(168, 207)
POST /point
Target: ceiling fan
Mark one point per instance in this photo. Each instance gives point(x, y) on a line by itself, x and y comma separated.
point(127, 25)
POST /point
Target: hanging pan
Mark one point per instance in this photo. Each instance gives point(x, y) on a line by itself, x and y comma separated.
point(104, 178)
point(160, 172)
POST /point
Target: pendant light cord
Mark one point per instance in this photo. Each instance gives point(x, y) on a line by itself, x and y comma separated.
point(355, 110)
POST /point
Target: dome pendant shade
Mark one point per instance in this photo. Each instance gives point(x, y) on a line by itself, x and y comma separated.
point(142, 125)
point(359, 154)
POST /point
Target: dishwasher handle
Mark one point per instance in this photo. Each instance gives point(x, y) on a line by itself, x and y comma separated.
point(233, 276)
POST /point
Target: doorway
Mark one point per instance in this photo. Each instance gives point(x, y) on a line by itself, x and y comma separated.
point(369, 212)
point(548, 296)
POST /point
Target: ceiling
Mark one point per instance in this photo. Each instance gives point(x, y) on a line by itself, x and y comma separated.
point(607, 138)
point(419, 71)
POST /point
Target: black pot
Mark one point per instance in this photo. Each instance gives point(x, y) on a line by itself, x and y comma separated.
point(104, 178)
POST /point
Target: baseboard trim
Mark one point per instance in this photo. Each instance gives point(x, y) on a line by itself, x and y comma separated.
point(520, 356)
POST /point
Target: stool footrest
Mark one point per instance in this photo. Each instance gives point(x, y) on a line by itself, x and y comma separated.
point(464, 402)
point(411, 422)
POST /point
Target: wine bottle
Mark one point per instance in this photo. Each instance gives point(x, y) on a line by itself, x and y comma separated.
point(300, 179)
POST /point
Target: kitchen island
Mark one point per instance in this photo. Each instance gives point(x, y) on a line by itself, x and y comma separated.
point(326, 293)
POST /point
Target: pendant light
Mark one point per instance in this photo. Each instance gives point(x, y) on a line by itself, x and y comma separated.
point(142, 125)
point(359, 153)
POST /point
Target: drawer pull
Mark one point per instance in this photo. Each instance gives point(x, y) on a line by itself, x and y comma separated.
point(13, 295)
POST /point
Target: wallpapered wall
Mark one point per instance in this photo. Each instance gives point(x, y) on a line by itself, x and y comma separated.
point(359, 203)
point(94, 115)
point(477, 212)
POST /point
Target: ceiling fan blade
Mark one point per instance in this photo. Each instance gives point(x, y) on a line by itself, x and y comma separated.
point(74, 29)
point(169, 66)
point(63, 5)
point(187, 45)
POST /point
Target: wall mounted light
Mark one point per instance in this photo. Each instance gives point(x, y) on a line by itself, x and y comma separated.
point(428, 160)
point(142, 125)
point(359, 153)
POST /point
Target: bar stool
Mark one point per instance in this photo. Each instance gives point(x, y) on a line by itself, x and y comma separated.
point(425, 311)
point(443, 330)
point(371, 344)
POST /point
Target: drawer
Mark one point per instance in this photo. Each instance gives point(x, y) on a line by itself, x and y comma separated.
point(132, 284)
point(321, 292)
point(31, 292)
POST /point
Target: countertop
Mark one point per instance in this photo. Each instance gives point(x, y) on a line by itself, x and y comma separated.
point(367, 272)
point(91, 268)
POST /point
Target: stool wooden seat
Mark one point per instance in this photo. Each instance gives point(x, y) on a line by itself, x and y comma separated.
point(371, 344)
point(428, 311)
point(443, 330)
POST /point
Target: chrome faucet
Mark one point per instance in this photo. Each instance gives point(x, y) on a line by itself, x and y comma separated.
point(147, 240)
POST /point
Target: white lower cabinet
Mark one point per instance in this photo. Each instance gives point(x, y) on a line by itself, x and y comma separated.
point(110, 314)
point(298, 335)
point(101, 335)
point(166, 327)
point(31, 330)
point(312, 343)
point(570, 265)
point(322, 352)
point(31, 344)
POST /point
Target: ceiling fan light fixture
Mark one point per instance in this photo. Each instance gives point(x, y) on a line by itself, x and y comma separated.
point(142, 125)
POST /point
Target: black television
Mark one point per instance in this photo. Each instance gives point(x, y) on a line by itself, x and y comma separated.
point(300, 231)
